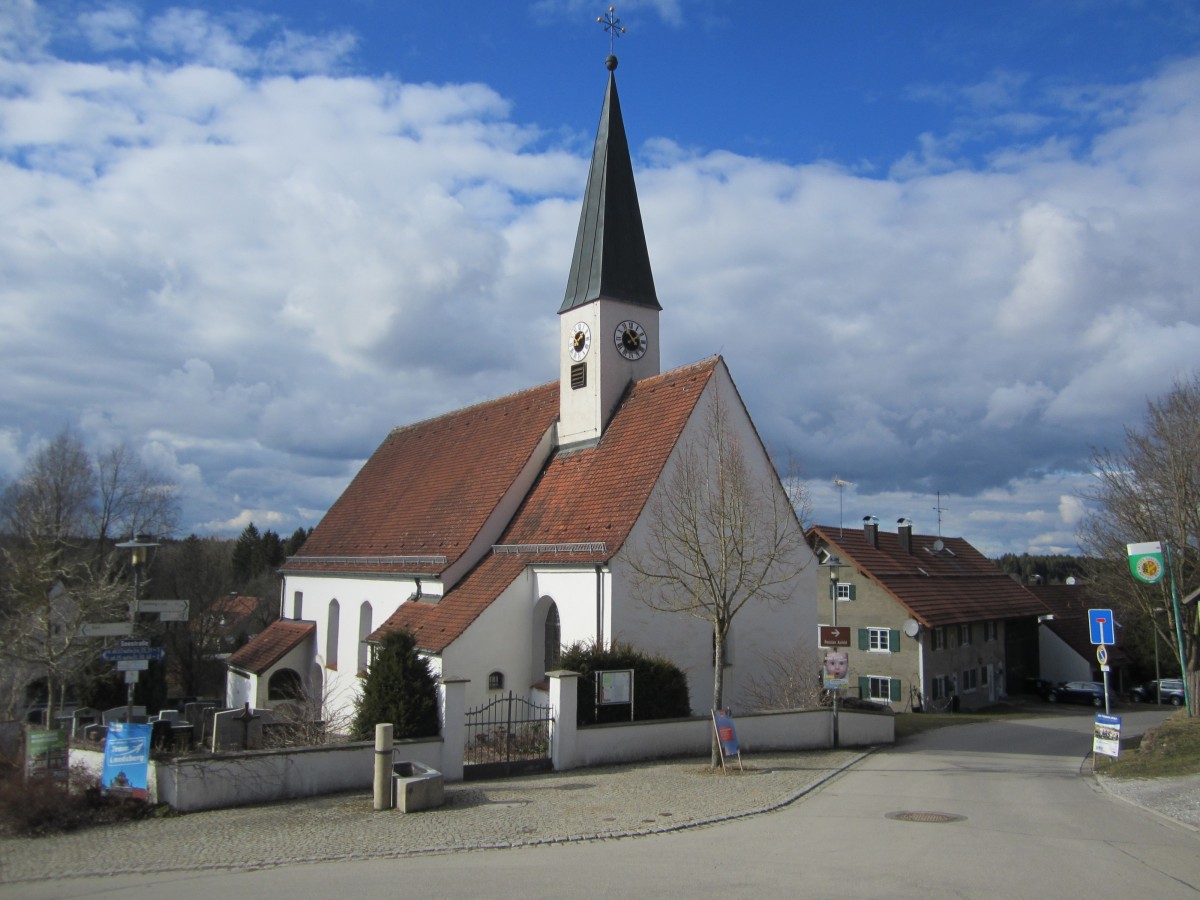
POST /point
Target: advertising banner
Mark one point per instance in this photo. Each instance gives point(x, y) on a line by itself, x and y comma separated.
point(46, 753)
point(836, 670)
point(1106, 736)
point(127, 759)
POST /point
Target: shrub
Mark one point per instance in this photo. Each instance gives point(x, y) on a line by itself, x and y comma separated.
point(660, 689)
point(400, 689)
point(41, 806)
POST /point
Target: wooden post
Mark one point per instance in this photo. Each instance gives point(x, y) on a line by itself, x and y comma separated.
point(383, 767)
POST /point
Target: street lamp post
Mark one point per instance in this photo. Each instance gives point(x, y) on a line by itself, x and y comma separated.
point(140, 547)
point(834, 564)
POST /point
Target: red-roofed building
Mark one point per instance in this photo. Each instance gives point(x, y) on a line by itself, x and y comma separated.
point(930, 618)
point(501, 532)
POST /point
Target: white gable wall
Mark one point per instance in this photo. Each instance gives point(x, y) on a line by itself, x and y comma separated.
point(760, 631)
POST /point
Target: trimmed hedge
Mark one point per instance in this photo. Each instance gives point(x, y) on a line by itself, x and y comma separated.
point(660, 689)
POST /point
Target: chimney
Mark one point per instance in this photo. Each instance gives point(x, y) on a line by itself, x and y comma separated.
point(871, 530)
point(904, 532)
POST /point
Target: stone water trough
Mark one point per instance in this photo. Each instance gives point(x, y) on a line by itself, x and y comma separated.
point(416, 786)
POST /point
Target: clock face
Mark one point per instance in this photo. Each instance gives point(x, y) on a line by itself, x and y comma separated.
point(580, 341)
point(631, 341)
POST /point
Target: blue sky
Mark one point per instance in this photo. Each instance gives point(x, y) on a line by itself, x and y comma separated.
point(944, 247)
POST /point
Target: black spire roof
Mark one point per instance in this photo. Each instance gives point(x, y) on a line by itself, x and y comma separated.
point(610, 259)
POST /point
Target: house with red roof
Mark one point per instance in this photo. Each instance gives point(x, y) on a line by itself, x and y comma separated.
point(932, 622)
point(500, 533)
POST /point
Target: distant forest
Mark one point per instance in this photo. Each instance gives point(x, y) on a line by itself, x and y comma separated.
point(1046, 569)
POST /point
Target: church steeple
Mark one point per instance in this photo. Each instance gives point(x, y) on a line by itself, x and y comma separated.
point(608, 321)
point(610, 259)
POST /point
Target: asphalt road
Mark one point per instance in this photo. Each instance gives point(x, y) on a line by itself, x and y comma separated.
point(988, 810)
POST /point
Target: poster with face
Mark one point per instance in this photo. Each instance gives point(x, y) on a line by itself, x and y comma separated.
point(836, 670)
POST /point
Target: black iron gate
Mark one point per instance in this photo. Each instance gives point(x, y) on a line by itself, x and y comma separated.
point(508, 736)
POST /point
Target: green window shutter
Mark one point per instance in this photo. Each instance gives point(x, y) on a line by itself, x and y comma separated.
point(895, 689)
point(864, 639)
point(894, 640)
point(852, 592)
point(864, 687)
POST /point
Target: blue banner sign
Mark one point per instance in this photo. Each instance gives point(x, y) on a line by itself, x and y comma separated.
point(126, 758)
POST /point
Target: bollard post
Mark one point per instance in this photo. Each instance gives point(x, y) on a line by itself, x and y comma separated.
point(383, 767)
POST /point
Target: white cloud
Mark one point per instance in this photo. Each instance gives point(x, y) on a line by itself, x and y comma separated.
point(265, 272)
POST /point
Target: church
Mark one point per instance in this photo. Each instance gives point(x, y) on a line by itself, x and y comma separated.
point(500, 533)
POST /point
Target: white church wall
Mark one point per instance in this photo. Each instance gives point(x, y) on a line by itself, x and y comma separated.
point(574, 591)
point(341, 685)
point(761, 631)
point(498, 641)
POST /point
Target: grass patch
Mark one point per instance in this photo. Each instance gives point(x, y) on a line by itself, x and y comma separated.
point(1170, 750)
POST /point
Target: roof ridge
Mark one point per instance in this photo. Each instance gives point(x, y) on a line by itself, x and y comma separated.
point(454, 413)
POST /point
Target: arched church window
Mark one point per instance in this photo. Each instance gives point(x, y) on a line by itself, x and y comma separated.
point(364, 632)
point(333, 626)
point(496, 681)
point(553, 647)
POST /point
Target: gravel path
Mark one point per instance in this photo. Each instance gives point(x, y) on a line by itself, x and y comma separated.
point(581, 804)
point(1176, 798)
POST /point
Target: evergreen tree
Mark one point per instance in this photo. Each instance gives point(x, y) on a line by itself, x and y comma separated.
point(247, 555)
point(400, 689)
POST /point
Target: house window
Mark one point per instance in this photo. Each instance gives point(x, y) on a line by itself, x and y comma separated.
point(879, 640)
point(878, 687)
point(990, 629)
point(970, 680)
point(844, 591)
point(298, 605)
point(552, 649)
point(940, 687)
point(939, 638)
point(331, 634)
point(496, 681)
point(964, 635)
point(983, 676)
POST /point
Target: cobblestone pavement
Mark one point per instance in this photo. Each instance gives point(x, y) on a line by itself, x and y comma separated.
point(582, 804)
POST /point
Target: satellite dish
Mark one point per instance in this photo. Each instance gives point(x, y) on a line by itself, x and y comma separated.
point(1071, 579)
point(912, 628)
point(939, 545)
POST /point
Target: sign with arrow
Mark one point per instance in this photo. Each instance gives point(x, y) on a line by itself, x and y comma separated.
point(105, 629)
point(833, 636)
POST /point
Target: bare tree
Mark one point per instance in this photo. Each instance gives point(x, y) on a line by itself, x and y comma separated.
point(721, 537)
point(131, 497)
point(1150, 491)
point(51, 583)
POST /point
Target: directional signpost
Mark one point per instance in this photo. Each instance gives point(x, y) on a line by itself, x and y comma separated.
point(105, 629)
point(168, 610)
point(833, 636)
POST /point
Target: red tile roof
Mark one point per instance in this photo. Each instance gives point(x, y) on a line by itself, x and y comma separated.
point(429, 488)
point(275, 642)
point(954, 585)
point(590, 497)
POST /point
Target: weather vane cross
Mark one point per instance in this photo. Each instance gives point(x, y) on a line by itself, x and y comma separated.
point(612, 25)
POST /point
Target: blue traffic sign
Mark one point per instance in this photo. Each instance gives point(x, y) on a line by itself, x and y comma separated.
point(1101, 626)
point(115, 654)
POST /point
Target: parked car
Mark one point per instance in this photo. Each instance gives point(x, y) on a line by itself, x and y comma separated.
point(1172, 692)
point(1088, 692)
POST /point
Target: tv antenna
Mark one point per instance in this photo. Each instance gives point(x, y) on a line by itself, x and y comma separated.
point(939, 509)
point(841, 484)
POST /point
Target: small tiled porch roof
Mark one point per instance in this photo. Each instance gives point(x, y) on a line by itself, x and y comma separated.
point(273, 644)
